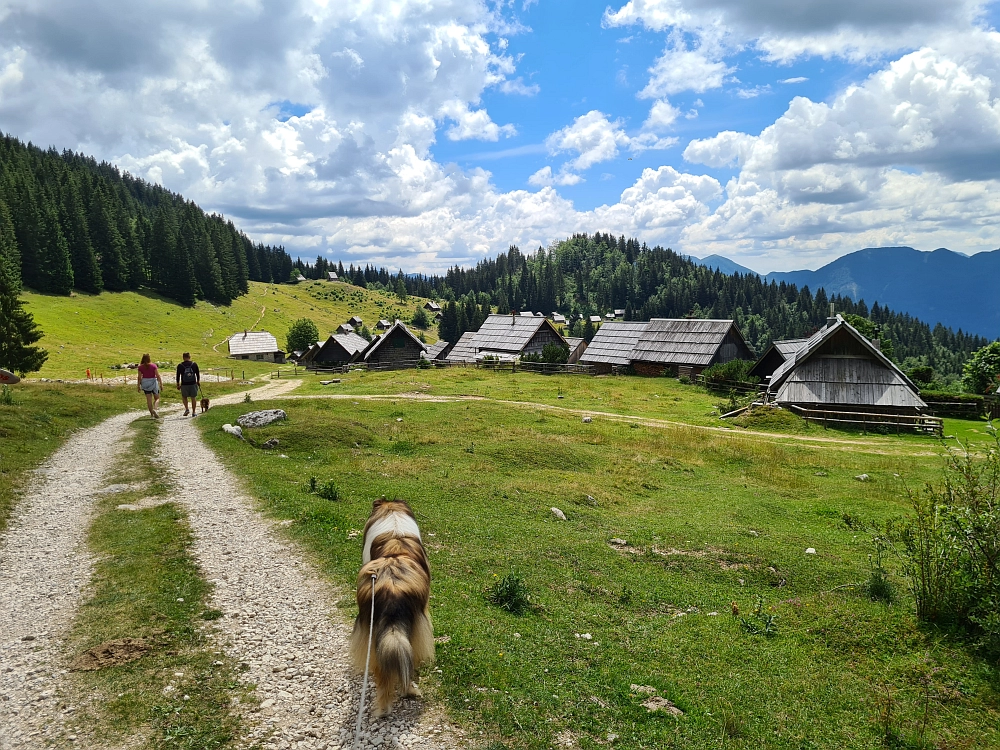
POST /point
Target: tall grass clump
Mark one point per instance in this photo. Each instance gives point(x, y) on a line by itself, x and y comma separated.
point(7, 396)
point(510, 593)
point(950, 546)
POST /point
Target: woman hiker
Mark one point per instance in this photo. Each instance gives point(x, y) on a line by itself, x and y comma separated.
point(150, 384)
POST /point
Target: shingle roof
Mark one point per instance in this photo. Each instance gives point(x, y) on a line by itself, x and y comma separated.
point(506, 333)
point(463, 351)
point(351, 342)
point(614, 342)
point(344, 329)
point(595, 318)
point(331, 276)
point(557, 318)
point(527, 314)
point(354, 320)
point(788, 347)
point(253, 342)
point(435, 349)
point(681, 341)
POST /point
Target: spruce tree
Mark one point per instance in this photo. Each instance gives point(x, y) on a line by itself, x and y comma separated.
point(73, 218)
point(108, 243)
point(18, 330)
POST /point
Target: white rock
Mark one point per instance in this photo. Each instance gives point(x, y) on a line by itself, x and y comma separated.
point(261, 418)
point(810, 551)
point(558, 514)
point(237, 431)
point(863, 478)
point(587, 420)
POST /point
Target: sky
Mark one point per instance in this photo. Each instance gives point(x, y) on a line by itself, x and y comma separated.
point(423, 134)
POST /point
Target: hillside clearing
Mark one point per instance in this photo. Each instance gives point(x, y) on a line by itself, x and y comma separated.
point(703, 520)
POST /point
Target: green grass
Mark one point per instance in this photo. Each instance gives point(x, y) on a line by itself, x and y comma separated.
point(146, 585)
point(42, 416)
point(710, 518)
point(96, 331)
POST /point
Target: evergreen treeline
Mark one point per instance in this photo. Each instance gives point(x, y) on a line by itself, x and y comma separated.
point(84, 225)
point(594, 274)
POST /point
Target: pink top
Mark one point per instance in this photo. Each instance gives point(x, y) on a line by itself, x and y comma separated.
point(147, 371)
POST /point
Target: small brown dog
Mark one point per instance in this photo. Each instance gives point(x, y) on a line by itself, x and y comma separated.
point(204, 405)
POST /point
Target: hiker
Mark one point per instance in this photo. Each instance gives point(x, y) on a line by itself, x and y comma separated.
point(151, 384)
point(188, 382)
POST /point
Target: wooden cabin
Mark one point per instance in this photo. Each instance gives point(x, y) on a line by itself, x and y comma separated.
point(687, 346)
point(463, 350)
point(354, 321)
point(577, 346)
point(383, 325)
point(840, 370)
point(438, 350)
point(259, 346)
point(512, 336)
point(432, 306)
point(332, 276)
point(344, 329)
point(338, 350)
point(776, 355)
point(613, 346)
point(395, 349)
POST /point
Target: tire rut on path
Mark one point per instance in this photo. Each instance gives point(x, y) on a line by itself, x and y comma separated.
point(44, 567)
point(279, 617)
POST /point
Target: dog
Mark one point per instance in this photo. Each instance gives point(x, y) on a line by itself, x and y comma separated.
point(204, 405)
point(403, 638)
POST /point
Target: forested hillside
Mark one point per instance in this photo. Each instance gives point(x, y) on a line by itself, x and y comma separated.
point(84, 225)
point(593, 274)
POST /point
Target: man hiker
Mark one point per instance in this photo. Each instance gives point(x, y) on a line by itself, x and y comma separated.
point(188, 380)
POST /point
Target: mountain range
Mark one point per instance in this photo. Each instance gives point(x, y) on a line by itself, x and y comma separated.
point(942, 286)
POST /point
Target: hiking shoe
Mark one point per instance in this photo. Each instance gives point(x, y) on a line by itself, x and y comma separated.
point(186, 412)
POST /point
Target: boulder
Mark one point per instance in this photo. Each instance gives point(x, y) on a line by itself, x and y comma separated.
point(587, 420)
point(863, 478)
point(558, 514)
point(238, 432)
point(270, 444)
point(261, 418)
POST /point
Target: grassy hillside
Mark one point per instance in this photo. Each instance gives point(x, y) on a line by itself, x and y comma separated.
point(96, 331)
point(713, 523)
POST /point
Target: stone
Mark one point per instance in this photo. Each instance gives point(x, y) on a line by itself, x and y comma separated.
point(558, 514)
point(587, 420)
point(261, 418)
point(618, 542)
point(236, 431)
point(656, 703)
point(863, 478)
point(126, 506)
point(810, 550)
point(270, 444)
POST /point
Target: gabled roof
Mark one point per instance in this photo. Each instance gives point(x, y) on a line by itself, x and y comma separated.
point(463, 351)
point(349, 343)
point(788, 347)
point(813, 344)
point(526, 314)
point(595, 318)
point(331, 276)
point(508, 333)
point(432, 306)
point(344, 329)
point(683, 341)
point(384, 324)
point(354, 320)
point(253, 342)
point(557, 318)
point(434, 350)
point(381, 339)
point(614, 342)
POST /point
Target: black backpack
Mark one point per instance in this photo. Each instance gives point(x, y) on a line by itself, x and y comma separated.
point(187, 374)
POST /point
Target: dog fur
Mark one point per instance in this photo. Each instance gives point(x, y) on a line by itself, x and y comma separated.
point(403, 640)
point(204, 405)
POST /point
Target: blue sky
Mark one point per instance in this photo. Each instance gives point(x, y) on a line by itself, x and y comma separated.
point(421, 134)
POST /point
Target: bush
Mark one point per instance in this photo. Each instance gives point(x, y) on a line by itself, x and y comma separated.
point(922, 374)
point(424, 364)
point(7, 396)
point(981, 374)
point(950, 547)
point(944, 397)
point(510, 593)
point(736, 370)
point(328, 491)
point(420, 319)
point(556, 354)
point(302, 334)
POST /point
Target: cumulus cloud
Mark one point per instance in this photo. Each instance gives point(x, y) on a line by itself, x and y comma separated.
point(723, 150)
point(471, 124)
point(681, 69)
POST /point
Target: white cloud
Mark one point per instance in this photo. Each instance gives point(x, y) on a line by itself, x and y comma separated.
point(593, 137)
point(661, 116)
point(796, 79)
point(545, 178)
point(472, 124)
point(723, 150)
point(681, 69)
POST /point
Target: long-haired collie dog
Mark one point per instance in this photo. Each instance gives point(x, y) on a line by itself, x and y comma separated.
point(403, 639)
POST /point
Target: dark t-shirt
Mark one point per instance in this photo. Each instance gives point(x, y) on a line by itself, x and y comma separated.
point(187, 373)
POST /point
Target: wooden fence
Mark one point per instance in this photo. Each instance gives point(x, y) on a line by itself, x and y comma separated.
point(878, 422)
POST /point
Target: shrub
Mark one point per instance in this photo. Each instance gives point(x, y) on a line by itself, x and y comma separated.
point(510, 593)
point(555, 354)
point(950, 547)
point(684, 380)
point(922, 374)
point(424, 364)
point(302, 334)
point(736, 370)
point(328, 491)
point(980, 373)
point(420, 319)
point(7, 396)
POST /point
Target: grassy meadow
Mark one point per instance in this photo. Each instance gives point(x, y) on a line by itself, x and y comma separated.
point(713, 523)
point(96, 331)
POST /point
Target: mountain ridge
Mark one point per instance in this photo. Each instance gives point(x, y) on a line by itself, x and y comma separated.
point(938, 286)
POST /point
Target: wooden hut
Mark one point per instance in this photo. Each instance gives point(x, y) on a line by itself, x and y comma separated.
point(338, 350)
point(354, 321)
point(332, 276)
point(839, 372)
point(776, 355)
point(432, 306)
point(383, 325)
point(613, 346)
point(577, 346)
point(259, 346)
point(396, 348)
point(511, 336)
point(344, 329)
point(438, 350)
point(687, 346)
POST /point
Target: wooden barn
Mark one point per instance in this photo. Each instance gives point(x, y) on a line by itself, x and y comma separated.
point(577, 347)
point(344, 329)
point(432, 306)
point(438, 350)
point(776, 355)
point(332, 276)
point(395, 349)
point(613, 346)
point(259, 346)
point(511, 336)
point(687, 346)
point(839, 371)
point(354, 321)
point(338, 350)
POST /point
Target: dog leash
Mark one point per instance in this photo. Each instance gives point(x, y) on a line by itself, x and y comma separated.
point(364, 682)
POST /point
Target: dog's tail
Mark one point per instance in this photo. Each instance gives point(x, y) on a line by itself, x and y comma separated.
point(394, 656)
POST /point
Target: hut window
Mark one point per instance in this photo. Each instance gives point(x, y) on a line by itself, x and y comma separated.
point(399, 344)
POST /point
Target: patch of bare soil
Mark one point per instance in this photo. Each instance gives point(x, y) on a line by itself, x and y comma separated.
point(110, 654)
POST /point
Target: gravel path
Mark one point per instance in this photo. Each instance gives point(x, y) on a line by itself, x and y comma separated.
point(279, 615)
point(44, 567)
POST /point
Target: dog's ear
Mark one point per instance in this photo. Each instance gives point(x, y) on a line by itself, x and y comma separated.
point(379, 502)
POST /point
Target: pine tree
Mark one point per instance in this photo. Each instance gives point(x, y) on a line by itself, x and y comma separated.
point(108, 243)
point(18, 330)
point(73, 219)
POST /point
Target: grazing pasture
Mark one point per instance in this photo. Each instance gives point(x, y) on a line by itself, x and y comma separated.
point(680, 578)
